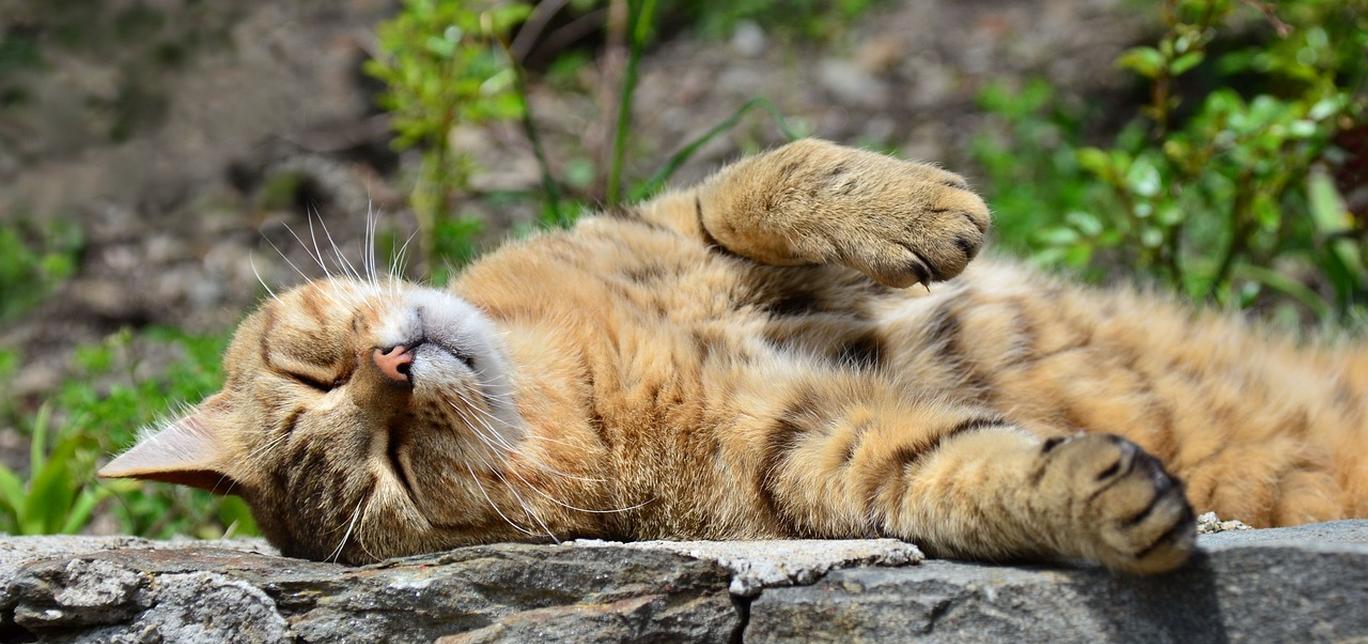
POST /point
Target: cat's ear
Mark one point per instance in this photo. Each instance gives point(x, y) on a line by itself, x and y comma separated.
point(185, 451)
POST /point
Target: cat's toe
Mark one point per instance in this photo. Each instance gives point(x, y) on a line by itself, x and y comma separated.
point(949, 226)
point(927, 232)
point(1129, 513)
point(1145, 520)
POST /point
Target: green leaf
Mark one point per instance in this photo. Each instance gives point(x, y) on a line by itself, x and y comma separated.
point(1284, 284)
point(1328, 209)
point(1146, 61)
point(1151, 237)
point(81, 511)
point(1061, 236)
point(1185, 62)
point(1143, 178)
point(11, 491)
point(1093, 160)
point(1085, 223)
point(37, 444)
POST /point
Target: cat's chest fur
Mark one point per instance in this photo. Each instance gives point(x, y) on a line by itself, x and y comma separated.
point(638, 300)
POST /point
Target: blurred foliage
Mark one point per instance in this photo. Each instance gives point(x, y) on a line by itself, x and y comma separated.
point(820, 20)
point(1223, 191)
point(446, 64)
point(443, 65)
point(33, 261)
point(98, 411)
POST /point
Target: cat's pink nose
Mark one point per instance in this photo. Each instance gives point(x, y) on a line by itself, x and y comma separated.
point(395, 363)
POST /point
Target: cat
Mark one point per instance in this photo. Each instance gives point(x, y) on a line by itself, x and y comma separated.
point(745, 360)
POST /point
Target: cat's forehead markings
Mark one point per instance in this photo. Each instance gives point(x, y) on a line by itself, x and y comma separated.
point(309, 299)
point(316, 350)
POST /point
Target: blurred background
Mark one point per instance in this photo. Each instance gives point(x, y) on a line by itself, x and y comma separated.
point(163, 160)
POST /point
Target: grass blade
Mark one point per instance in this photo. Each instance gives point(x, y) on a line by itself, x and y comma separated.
point(679, 158)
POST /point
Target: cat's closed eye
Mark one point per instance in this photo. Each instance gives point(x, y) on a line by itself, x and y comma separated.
point(316, 383)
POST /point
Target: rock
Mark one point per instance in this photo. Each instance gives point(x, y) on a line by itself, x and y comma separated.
point(756, 565)
point(749, 39)
point(1305, 584)
point(1291, 584)
point(1209, 523)
point(137, 590)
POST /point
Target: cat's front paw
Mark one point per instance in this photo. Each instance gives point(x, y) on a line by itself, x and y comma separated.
point(1120, 506)
point(815, 202)
point(918, 224)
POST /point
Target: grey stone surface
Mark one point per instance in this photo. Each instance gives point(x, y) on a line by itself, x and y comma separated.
point(756, 565)
point(1283, 585)
point(1295, 584)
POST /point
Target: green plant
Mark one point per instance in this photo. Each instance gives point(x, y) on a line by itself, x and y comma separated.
point(33, 261)
point(1218, 192)
point(97, 412)
point(59, 496)
point(446, 64)
point(443, 64)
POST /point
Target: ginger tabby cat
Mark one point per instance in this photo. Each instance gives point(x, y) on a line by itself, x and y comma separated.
point(739, 361)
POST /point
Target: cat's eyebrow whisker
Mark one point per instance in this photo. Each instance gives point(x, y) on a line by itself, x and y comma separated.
point(372, 226)
point(400, 257)
point(343, 263)
point(317, 251)
point(251, 261)
point(312, 253)
point(287, 259)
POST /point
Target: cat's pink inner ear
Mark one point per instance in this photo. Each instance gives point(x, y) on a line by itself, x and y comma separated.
point(184, 452)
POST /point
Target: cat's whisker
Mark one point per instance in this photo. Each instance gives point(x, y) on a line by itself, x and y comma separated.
point(563, 504)
point(534, 462)
point(343, 263)
point(401, 256)
point(494, 505)
point(267, 446)
point(287, 259)
point(318, 258)
point(541, 438)
point(496, 438)
point(347, 535)
point(322, 260)
point(509, 466)
point(526, 507)
point(251, 261)
point(368, 244)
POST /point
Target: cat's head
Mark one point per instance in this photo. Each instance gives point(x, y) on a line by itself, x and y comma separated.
point(353, 419)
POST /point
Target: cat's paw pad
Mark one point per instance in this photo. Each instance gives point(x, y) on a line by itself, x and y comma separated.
point(921, 225)
point(1127, 511)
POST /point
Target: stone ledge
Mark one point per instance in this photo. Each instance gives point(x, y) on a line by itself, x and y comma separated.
point(1304, 584)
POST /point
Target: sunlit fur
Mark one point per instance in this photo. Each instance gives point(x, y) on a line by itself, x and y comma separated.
point(719, 364)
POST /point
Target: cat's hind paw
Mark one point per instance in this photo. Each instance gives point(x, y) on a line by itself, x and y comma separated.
point(1124, 510)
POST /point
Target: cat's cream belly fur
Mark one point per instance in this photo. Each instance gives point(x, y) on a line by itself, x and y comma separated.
point(743, 360)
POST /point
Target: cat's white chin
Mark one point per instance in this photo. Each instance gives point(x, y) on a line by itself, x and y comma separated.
point(457, 348)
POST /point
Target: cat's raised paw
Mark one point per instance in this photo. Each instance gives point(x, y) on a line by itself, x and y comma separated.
point(1125, 510)
point(921, 225)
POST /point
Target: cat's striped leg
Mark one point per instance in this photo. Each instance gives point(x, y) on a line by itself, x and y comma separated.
point(853, 456)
